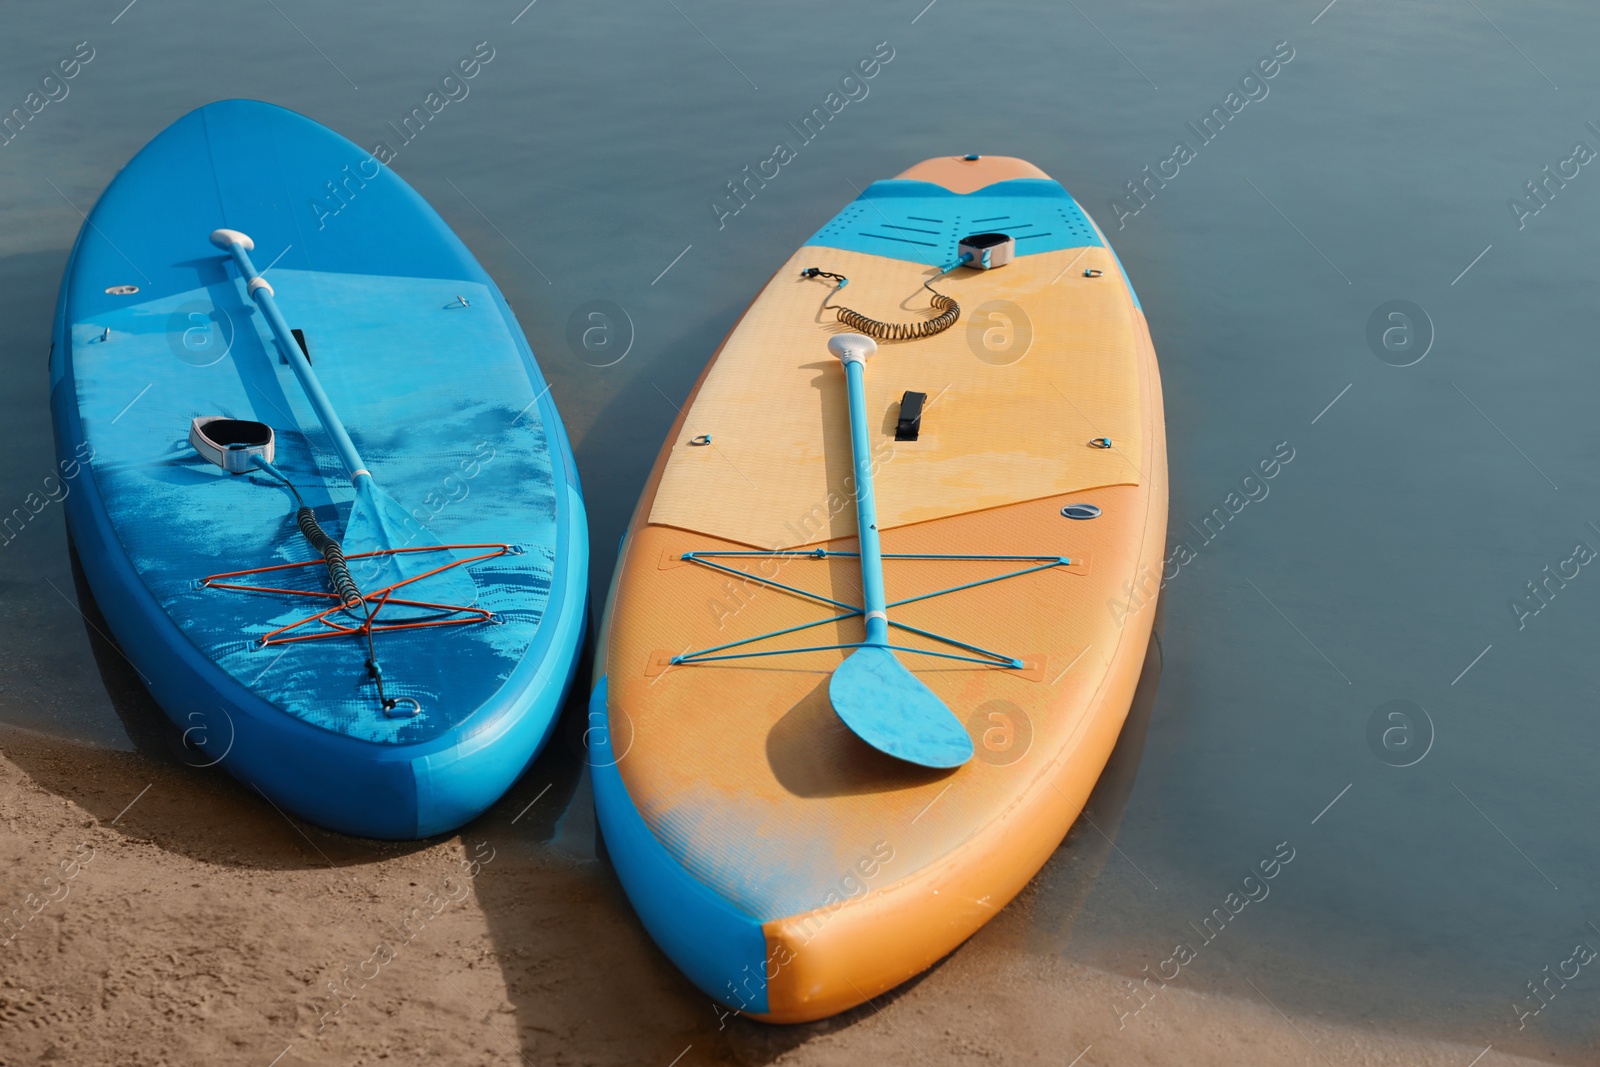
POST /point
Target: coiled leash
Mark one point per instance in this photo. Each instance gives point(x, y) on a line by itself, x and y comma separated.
point(949, 311)
point(332, 555)
point(344, 586)
point(980, 251)
point(339, 575)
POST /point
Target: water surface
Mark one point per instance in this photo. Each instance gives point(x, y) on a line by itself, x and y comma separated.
point(1380, 564)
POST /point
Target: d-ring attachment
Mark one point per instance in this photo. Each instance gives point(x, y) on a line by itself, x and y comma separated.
point(403, 708)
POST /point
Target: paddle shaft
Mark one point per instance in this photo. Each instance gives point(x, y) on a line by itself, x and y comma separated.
point(872, 596)
point(261, 293)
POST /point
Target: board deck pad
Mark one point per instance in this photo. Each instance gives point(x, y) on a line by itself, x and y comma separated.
point(924, 222)
point(997, 427)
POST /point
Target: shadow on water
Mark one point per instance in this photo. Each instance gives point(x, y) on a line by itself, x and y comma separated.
point(636, 421)
point(1040, 920)
point(47, 680)
point(153, 734)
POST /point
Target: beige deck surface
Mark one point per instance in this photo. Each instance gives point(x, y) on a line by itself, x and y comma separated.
point(997, 429)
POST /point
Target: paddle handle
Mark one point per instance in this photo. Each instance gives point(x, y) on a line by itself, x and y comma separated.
point(872, 595)
point(261, 292)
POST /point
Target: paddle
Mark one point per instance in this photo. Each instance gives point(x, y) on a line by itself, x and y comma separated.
point(886, 705)
point(377, 522)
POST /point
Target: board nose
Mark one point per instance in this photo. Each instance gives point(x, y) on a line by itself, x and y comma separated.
point(971, 171)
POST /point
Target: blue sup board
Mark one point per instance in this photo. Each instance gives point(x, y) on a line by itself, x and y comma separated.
point(323, 497)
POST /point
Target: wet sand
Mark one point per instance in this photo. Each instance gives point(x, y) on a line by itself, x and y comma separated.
point(193, 923)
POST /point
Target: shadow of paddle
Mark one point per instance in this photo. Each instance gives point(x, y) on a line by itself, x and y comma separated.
point(814, 754)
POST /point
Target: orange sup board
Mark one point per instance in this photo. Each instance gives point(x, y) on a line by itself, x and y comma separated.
point(788, 868)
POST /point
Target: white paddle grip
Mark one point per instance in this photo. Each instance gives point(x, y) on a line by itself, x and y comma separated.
point(224, 238)
point(852, 347)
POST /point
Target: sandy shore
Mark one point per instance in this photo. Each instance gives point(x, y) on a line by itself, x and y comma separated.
point(163, 914)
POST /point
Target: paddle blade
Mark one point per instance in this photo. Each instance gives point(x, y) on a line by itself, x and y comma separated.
point(891, 710)
point(378, 523)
